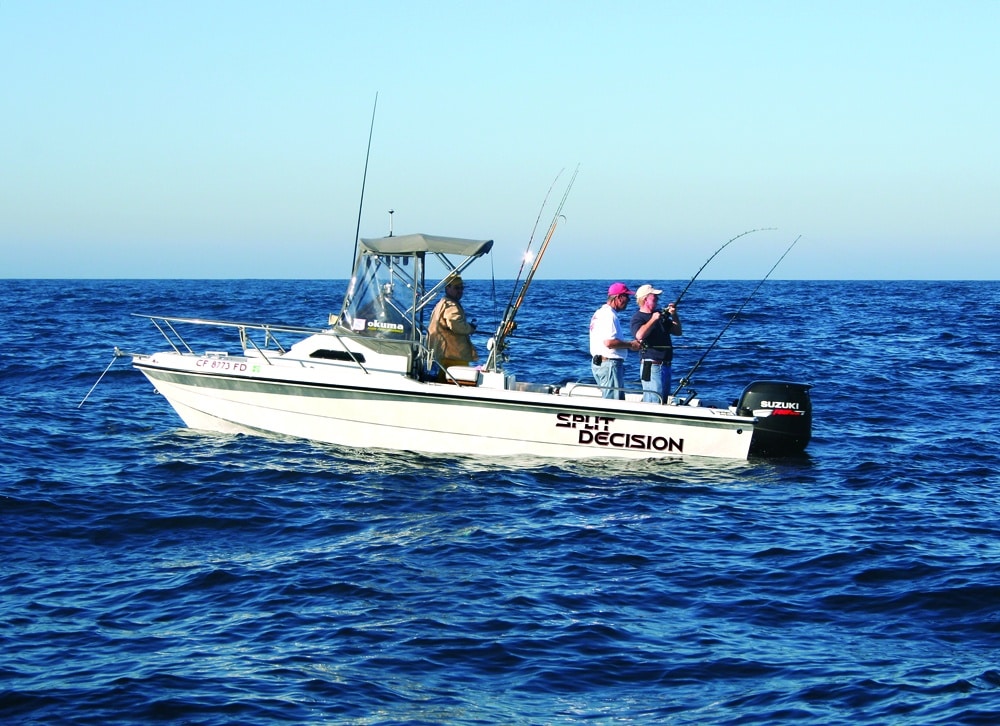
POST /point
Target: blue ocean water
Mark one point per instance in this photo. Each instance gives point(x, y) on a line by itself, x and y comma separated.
point(156, 574)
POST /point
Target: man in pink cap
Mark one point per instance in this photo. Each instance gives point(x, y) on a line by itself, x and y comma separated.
point(608, 346)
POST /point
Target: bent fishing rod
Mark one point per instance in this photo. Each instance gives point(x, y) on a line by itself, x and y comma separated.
point(741, 234)
point(704, 265)
point(687, 379)
point(507, 325)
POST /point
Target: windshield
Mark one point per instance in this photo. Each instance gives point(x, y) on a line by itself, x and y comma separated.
point(384, 291)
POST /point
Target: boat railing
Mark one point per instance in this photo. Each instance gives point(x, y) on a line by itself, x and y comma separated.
point(168, 328)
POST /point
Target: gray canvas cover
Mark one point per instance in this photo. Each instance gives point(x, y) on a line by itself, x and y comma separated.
point(410, 243)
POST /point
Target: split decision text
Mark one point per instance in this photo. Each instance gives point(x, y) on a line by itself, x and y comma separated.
point(596, 431)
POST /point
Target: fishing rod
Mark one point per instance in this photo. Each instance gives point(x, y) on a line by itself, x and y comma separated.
point(687, 379)
point(364, 178)
point(663, 312)
point(545, 244)
point(507, 325)
point(531, 239)
point(527, 251)
point(742, 234)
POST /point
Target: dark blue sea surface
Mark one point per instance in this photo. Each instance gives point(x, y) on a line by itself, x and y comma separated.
point(155, 574)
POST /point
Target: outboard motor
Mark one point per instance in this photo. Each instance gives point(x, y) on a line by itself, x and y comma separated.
point(784, 416)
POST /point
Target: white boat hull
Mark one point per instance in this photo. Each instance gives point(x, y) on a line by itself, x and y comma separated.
point(372, 379)
point(366, 409)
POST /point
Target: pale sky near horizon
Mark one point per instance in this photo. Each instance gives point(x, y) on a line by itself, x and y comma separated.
point(227, 138)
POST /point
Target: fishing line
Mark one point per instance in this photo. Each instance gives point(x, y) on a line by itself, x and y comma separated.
point(687, 379)
point(548, 338)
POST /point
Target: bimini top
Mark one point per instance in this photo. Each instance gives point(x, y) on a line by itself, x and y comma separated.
point(410, 243)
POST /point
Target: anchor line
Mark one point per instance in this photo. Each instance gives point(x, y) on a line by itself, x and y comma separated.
point(118, 354)
point(507, 325)
point(687, 379)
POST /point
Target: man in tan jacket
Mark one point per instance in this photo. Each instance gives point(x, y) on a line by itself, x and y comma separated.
point(448, 332)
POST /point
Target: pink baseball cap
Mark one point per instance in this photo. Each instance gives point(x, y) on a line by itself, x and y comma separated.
point(619, 288)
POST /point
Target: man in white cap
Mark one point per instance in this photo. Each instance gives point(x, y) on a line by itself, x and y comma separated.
point(653, 328)
point(607, 343)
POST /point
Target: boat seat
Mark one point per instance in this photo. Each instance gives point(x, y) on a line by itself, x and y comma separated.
point(463, 375)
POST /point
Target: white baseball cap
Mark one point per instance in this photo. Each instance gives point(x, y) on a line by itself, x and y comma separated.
point(647, 290)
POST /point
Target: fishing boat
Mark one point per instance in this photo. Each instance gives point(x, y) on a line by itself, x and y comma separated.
point(369, 379)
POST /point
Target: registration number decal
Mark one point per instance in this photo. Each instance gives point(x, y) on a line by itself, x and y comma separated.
point(221, 364)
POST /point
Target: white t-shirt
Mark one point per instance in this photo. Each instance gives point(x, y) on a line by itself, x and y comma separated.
point(604, 325)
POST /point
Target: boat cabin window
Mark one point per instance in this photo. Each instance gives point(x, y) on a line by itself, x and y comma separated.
point(325, 354)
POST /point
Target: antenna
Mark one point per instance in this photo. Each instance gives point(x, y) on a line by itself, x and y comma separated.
point(391, 212)
point(364, 178)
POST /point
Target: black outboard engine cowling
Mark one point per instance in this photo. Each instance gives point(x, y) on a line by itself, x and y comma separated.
point(784, 416)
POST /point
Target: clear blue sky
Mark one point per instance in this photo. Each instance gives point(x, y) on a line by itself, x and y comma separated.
point(219, 139)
